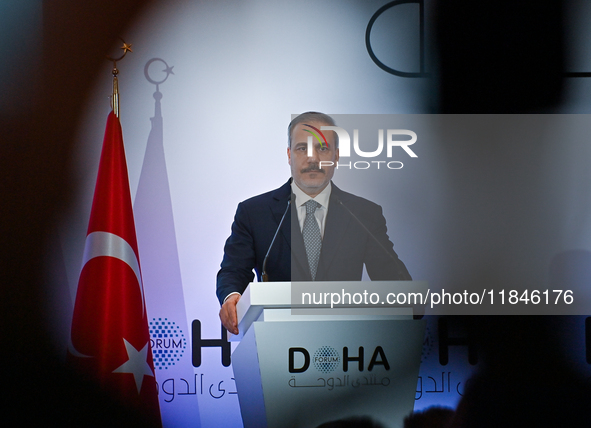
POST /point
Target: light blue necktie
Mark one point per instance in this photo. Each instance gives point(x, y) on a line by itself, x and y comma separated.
point(312, 238)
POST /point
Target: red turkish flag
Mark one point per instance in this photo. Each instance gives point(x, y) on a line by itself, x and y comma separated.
point(110, 341)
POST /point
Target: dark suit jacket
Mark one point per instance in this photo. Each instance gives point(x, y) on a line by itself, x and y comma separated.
point(346, 245)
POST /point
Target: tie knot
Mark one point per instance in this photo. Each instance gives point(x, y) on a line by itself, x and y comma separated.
point(311, 206)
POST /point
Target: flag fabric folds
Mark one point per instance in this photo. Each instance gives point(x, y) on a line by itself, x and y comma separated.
point(110, 341)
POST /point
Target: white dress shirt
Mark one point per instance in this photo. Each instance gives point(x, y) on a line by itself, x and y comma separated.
point(322, 198)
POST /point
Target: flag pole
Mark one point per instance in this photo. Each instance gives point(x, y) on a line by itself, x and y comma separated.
point(115, 97)
point(110, 337)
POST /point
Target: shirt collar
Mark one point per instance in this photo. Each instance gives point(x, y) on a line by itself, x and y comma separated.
point(301, 197)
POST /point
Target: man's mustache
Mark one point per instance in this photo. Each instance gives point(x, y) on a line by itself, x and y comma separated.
point(313, 168)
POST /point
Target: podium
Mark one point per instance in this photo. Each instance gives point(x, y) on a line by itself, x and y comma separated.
point(295, 370)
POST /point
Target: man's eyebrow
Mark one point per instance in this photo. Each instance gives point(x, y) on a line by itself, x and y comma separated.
point(315, 144)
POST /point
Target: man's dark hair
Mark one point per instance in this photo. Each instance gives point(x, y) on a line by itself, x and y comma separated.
point(432, 417)
point(311, 116)
point(352, 422)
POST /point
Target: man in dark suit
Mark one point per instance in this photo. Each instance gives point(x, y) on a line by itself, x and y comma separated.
point(327, 234)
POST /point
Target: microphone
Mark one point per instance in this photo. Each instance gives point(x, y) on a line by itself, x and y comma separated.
point(396, 261)
point(264, 274)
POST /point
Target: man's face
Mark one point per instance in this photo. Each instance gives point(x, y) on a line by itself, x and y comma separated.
point(305, 170)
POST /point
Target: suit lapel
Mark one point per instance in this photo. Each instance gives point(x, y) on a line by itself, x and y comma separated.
point(290, 231)
point(280, 198)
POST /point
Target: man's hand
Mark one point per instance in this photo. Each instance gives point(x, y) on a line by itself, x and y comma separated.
point(228, 314)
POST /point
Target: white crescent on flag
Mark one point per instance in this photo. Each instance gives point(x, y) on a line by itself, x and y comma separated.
point(105, 244)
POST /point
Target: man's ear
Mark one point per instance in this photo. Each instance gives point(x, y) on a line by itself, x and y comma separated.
point(289, 155)
point(337, 155)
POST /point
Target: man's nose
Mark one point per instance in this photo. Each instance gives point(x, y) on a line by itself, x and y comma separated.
point(311, 151)
point(313, 156)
